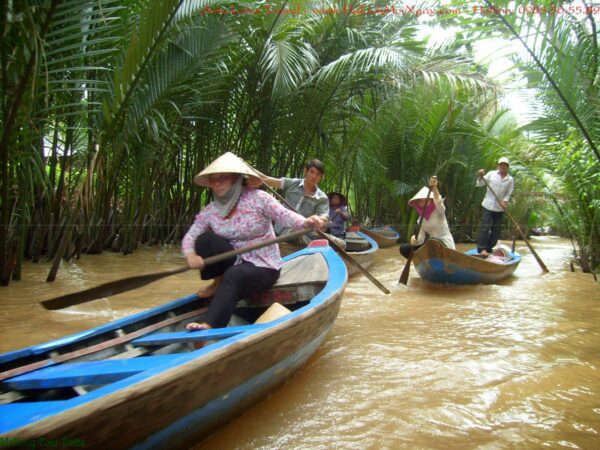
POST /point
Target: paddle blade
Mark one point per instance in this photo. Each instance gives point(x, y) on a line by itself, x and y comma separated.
point(107, 289)
point(406, 271)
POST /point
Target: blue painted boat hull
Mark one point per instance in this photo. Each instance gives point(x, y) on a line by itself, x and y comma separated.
point(438, 264)
point(197, 424)
point(182, 400)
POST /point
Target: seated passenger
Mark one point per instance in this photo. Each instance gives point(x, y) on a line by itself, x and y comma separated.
point(338, 214)
point(499, 255)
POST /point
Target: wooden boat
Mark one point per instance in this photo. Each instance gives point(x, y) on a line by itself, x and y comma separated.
point(140, 382)
point(384, 236)
point(439, 264)
point(361, 248)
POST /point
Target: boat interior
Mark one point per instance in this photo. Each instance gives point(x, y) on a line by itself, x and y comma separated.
point(356, 243)
point(75, 365)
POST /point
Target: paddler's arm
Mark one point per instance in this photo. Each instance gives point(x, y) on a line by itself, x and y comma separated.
point(433, 184)
point(270, 181)
point(188, 244)
point(480, 176)
point(276, 183)
point(322, 210)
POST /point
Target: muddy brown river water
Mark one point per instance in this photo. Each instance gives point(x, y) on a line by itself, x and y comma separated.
point(514, 365)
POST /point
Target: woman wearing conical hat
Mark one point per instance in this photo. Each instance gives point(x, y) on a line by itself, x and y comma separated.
point(239, 216)
point(434, 222)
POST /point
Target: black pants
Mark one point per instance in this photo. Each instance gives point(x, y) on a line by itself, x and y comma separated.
point(239, 281)
point(489, 230)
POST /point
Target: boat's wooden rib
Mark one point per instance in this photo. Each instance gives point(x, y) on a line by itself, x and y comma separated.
point(174, 394)
point(439, 264)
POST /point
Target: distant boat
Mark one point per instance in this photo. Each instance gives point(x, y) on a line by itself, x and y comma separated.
point(361, 248)
point(439, 264)
point(384, 236)
point(141, 381)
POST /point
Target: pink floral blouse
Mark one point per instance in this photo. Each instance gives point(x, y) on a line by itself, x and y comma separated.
point(250, 223)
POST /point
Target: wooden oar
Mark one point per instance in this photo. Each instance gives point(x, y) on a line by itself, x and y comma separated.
point(533, 252)
point(406, 270)
point(128, 284)
point(334, 245)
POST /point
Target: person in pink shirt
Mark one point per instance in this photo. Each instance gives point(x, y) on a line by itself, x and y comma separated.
point(434, 222)
point(239, 216)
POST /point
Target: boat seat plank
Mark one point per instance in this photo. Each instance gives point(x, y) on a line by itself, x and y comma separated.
point(85, 373)
point(356, 243)
point(194, 336)
point(357, 246)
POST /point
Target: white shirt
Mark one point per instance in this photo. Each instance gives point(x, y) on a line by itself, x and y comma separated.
point(436, 226)
point(503, 187)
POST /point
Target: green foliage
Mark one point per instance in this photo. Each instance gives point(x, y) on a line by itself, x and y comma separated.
point(119, 103)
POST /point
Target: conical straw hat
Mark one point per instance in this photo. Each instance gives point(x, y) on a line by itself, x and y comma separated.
point(226, 163)
point(422, 194)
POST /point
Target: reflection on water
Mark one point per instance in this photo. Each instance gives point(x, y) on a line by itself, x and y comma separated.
point(507, 365)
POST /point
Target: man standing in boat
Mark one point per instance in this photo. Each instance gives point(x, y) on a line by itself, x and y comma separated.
point(502, 184)
point(306, 197)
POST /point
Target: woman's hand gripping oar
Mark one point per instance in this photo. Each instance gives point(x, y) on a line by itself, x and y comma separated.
point(128, 284)
point(334, 245)
point(533, 252)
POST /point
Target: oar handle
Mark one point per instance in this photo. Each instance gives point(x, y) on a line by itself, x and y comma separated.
point(533, 252)
point(223, 256)
point(239, 251)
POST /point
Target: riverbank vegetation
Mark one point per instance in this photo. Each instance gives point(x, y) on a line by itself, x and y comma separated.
point(110, 107)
